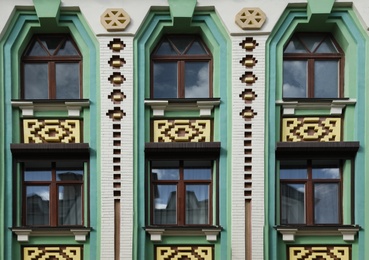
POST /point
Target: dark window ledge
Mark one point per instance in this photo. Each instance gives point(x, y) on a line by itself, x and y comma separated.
point(289, 232)
point(207, 150)
point(339, 150)
point(23, 233)
point(50, 150)
point(210, 232)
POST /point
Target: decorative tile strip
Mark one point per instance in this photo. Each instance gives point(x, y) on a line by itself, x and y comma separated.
point(49, 252)
point(182, 130)
point(320, 129)
point(184, 252)
point(51, 131)
point(319, 252)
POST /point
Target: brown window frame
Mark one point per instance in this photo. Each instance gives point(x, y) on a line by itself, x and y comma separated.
point(51, 60)
point(181, 60)
point(309, 183)
point(53, 185)
point(311, 57)
point(181, 192)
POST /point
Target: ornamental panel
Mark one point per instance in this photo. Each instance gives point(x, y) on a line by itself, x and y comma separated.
point(182, 130)
point(51, 131)
point(52, 252)
point(322, 129)
point(319, 252)
point(184, 252)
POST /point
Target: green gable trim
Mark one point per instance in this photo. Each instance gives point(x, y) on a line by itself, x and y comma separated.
point(346, 28)
point(212, 31)
point(21, 27)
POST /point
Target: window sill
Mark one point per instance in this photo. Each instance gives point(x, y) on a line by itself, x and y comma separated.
point(28, 107)
point(210, 232)
point(347, 232)
point(336, 106)
point(204, 106)
point(79, 233)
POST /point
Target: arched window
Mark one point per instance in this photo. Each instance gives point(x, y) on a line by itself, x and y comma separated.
point(51, 68)
point(181, 67)
point(312, 67)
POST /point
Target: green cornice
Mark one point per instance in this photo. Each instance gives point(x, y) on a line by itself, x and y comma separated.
point(182, 12)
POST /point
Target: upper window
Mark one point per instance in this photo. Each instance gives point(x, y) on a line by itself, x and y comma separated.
point(51, 68)
point(310, 192)
point(181, 192)
point(52, 193)
point(312, 67)
point(181, 67)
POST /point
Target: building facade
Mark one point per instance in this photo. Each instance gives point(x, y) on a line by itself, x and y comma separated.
point(173, 129)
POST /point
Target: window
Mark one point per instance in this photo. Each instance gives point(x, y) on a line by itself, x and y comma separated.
point(51, 68)
point(310, 192)
point(181, 67)
point(53, 193)
point(312, 67)
point(181, 192)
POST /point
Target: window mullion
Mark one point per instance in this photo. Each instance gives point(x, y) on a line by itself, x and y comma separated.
point(181, 79)
point(53, 198)
point(181, 205)
point(52, 80)
point(309, 196)
point(310, 78)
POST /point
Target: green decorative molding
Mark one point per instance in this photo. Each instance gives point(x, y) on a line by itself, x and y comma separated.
point(182, 11)
point(47, 11)
point(318, 9)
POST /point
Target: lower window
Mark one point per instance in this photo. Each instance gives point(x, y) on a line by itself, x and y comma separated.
point(181, 192)
point(311, 192)
point(53, 193)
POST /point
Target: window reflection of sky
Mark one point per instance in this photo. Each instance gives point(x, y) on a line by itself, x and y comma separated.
point(196, 80)
point(165, 79)
point(36, 81)
point(67, 80)
point(294, 79)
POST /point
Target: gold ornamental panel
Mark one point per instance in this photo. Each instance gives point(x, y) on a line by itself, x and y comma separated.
point(52, 252)
point(184, 252)
point(51, 131)
point(182, 130)
point(321, 129)
point(319, 252)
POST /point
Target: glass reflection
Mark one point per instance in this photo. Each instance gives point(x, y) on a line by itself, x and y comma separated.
point(36, 81)
point(197, 204)
point(165, 204)
point(70, 205)
point(326, 79)
point(67, 80)
point(294, 79)
point(165, 80)
point(325, 169)
point(37, 205)
point(293, 203)
point(196, 80)
point(326, 203)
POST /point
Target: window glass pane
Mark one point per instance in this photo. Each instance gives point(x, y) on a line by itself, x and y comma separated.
point(67, 80)
point(294, 79)
point(326, 79)
point(326, 203)
point(165, 174)
point(197, 174)
point(327, 46)
point(295, 46)
point(67, 49)
point(324, 169)
point(292, 203)
point(166, 49)
point(196, 48)
point(293, 170)
point(197, 204)
point(181, 42)
point(36, 81)
point(70, 205)
point(197, 79)
point(311, 40)
point(37, 171)
point(37, 205)
point(51, 42)
point(165, 80)
point(165, 204)
point(37, 50)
